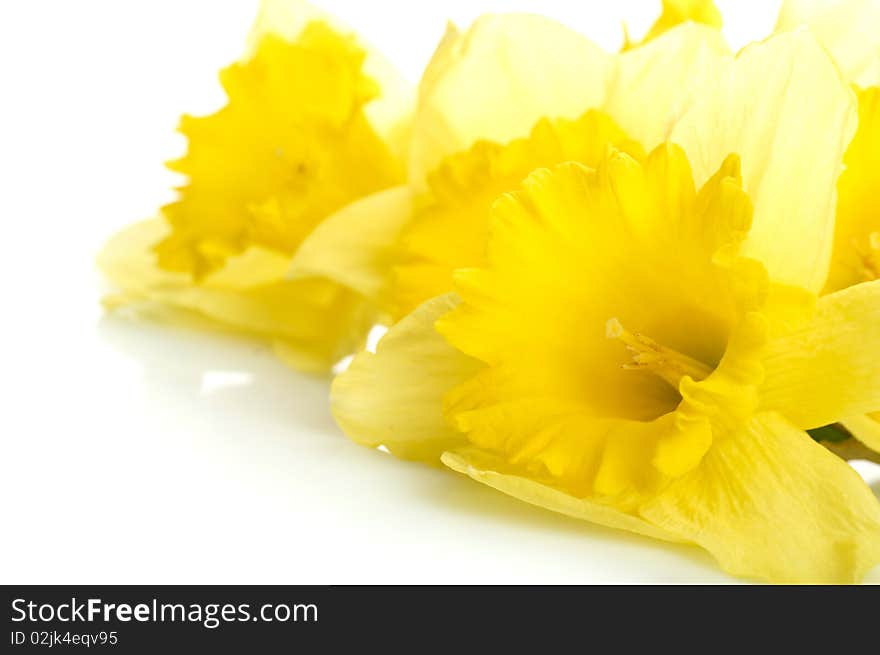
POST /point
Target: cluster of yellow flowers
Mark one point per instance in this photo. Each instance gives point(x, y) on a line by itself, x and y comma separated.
point(638, 288)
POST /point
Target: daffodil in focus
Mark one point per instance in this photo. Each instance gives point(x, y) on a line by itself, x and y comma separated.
point(646, 346)
point(512, 93)
point(312, 122)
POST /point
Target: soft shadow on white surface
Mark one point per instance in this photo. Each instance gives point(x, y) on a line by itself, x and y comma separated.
point(207, 371)
point(175, 456)
point(334, 511)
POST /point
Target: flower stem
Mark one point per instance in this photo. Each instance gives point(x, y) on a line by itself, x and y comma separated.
point(852, 449)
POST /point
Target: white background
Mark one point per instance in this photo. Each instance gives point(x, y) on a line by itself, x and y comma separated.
point(133, 453)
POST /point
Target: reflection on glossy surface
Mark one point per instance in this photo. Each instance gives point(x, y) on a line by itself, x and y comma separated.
point(170, 455)
point(251, 447)
point(220, 373)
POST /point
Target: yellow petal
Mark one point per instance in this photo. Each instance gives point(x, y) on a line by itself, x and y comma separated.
point(763, 107)
point(741, 504)
point(496, 80)
point(664, 76)
point(491, 471)
point(394, 398)
point(284, 18)
point(770, 503)
point(316, 321)
point(390, 113)
point(847, 28)
point(871, 77)
point(827, 369)
point(356, 246)
point(856, 254)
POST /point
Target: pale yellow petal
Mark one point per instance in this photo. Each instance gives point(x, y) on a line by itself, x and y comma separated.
point(770, 503)
point(496, 80)
point(849, 29)
point(828, 369)
point(655, 83)
point(578, 247)
point(394, 397)
point(783, 107)
point(356, 246)
point(284, 18)
point(489, 470)
point(316, 320)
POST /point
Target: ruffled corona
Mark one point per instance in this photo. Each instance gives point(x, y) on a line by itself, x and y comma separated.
point(610, 367)
point(449, 229)
point(846, 28)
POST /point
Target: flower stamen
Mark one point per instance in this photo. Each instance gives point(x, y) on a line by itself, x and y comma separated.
point(648, 355)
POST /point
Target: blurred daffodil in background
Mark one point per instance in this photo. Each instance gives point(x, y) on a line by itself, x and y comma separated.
point(313, 121)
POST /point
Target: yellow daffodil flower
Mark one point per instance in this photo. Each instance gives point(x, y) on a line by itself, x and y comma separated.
point(848, 28)
point(312, 122)
point(537, 94)
point(645, 347)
